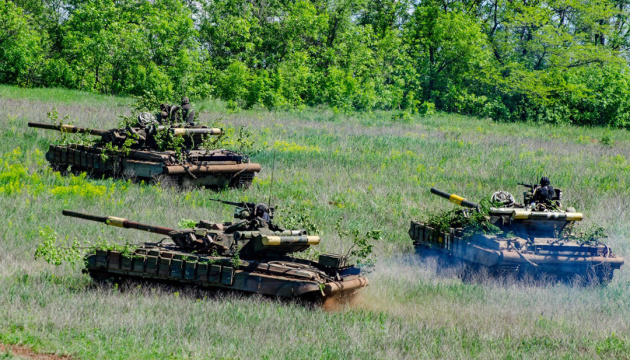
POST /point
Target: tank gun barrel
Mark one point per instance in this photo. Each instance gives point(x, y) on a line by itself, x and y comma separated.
point(119, 222)
point(455, 199)
point(68, 128)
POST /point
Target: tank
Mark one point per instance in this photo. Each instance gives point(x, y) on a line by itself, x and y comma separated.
point(250, 255)
point(146, 153)
point(531, 240)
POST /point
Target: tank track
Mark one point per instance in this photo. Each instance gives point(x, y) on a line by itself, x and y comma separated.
point(161, 265)
point(91, 160)
point(470, 272)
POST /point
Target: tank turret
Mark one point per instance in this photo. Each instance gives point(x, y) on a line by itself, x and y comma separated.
point(140, 136)
point(519, 219)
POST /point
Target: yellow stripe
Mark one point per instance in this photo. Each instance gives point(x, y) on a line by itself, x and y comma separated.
point(271, 240)
point(521, 215)
point(456, 199)
point(575, 216)
point(185, 131)
point(66, 128)
point(524, 215)
point(313, 240)
point(115, 221)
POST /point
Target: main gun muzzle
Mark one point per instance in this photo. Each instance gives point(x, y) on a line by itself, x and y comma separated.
point(455, 199)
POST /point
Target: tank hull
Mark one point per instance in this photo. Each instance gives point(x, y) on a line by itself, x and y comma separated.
point(275, 278)
point(540, 258)
point(218, 168)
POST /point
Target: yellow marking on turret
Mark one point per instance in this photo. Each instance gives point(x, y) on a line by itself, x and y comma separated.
point(66, 128)
point(456, 199)
point(521, 215)
point(115, 221)
point(312, 240)
point(575, 216)
point(187, 131)
point(551, 215)
point(271, 240)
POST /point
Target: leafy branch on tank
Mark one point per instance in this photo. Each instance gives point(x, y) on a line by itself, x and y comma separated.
point(362, 243)
point(590, 235)
point(111, 149)
point(187, 223)
point(296, 216)
point(472, 221)
point(165, 140)
point(68, 138)
point(240, 139)
point(146, 102)
point(57, 251)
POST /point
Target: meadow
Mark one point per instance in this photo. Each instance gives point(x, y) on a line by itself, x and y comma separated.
point(374, 171)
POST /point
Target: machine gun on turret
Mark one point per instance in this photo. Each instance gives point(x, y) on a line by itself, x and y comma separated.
point(528, 195)
point(250, 211)
point(529, 186)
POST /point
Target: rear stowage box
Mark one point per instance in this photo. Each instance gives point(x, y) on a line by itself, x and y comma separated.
point(333, 261)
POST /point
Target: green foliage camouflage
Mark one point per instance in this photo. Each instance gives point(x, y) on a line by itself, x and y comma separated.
point(556, 61)
point(57, 251)
point(362, 243)
point(471, 221)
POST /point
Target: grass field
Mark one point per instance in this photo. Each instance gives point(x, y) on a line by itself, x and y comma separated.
point(369, 169)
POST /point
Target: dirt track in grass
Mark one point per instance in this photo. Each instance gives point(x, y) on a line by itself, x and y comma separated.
point(23, 352)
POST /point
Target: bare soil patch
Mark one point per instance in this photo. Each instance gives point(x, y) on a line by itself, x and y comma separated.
point(28, 353)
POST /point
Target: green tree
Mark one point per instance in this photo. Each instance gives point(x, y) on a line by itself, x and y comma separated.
point(20, 53)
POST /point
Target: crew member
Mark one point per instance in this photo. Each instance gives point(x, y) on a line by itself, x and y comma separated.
point(188, 114)
point(544, 193)
point(262, 211)
point(164, 113)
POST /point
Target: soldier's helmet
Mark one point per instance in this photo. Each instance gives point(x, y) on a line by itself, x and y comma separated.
point(544, 181)
point(185, 100)
point(262, 211)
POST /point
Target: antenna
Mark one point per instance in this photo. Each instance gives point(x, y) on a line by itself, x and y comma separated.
point(273, 170)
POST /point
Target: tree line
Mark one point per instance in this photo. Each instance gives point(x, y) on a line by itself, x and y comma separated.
point(556, 61)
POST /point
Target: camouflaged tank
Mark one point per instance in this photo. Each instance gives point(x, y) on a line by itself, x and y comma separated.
point(251, 255)
point(131, 152)
point(528, 240)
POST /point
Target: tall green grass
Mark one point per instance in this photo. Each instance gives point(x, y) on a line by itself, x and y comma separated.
point(369, 169)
